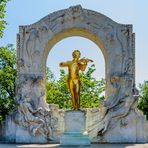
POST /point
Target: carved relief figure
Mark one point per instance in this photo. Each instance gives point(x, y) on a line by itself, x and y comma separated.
point(37, 120)
point(114, 92)
point(33, 49)
point(73, 13)
point(129, 68)
point(124, 100)
point(38, 92)
point(35, 124)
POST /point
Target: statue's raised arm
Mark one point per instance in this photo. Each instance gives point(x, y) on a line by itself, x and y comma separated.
point(85, 60)
point(64, 64)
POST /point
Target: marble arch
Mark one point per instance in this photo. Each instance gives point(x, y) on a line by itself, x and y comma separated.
point(118, 119)
point(115, 40)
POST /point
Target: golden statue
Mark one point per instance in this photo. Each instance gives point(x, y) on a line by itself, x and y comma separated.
point(74, 83)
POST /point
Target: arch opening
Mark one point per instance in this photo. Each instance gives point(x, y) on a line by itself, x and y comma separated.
point(62, 51)
point(75, 32)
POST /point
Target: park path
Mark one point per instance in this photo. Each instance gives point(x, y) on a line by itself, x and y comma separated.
point(58, 146)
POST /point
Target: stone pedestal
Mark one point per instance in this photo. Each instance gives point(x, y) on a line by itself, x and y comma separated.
point(75, 133)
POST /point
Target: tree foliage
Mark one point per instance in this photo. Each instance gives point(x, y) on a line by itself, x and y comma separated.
point(143, 100)
point(2, 16)
point(7, 79)
point(57, 91)
point(91, 90)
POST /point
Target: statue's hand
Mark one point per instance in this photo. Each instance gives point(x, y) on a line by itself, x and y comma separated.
point(61, 64)
point(90, 60)
point(85, 60)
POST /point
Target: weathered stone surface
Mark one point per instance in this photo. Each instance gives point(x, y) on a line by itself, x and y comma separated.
point(132, 128)
point(23, 136)
point(129, 129)
point(117, 43)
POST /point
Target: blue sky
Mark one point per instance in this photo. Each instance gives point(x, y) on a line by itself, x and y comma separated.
point(24, 12)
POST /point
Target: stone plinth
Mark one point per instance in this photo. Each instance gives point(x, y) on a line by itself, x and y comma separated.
point(75, 133)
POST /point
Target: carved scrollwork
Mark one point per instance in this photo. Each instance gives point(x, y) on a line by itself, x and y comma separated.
point(73, 13)
point(129, 66)
point(126, 30)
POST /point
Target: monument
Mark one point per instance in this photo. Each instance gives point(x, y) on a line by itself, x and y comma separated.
point(117, 121)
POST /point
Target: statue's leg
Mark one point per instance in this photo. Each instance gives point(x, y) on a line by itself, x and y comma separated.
point(72, 91)
point(78, 93)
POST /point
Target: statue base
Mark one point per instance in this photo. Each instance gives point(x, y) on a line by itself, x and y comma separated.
point(74, 139)
point(75, 133)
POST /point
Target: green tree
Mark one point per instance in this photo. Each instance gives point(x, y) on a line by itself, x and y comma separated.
point(7, 79)
point(143, 100)
point(2, 16)
point(57, 91)
point(91, 91)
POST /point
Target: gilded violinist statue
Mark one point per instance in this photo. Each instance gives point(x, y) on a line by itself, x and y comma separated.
point(74, 83)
